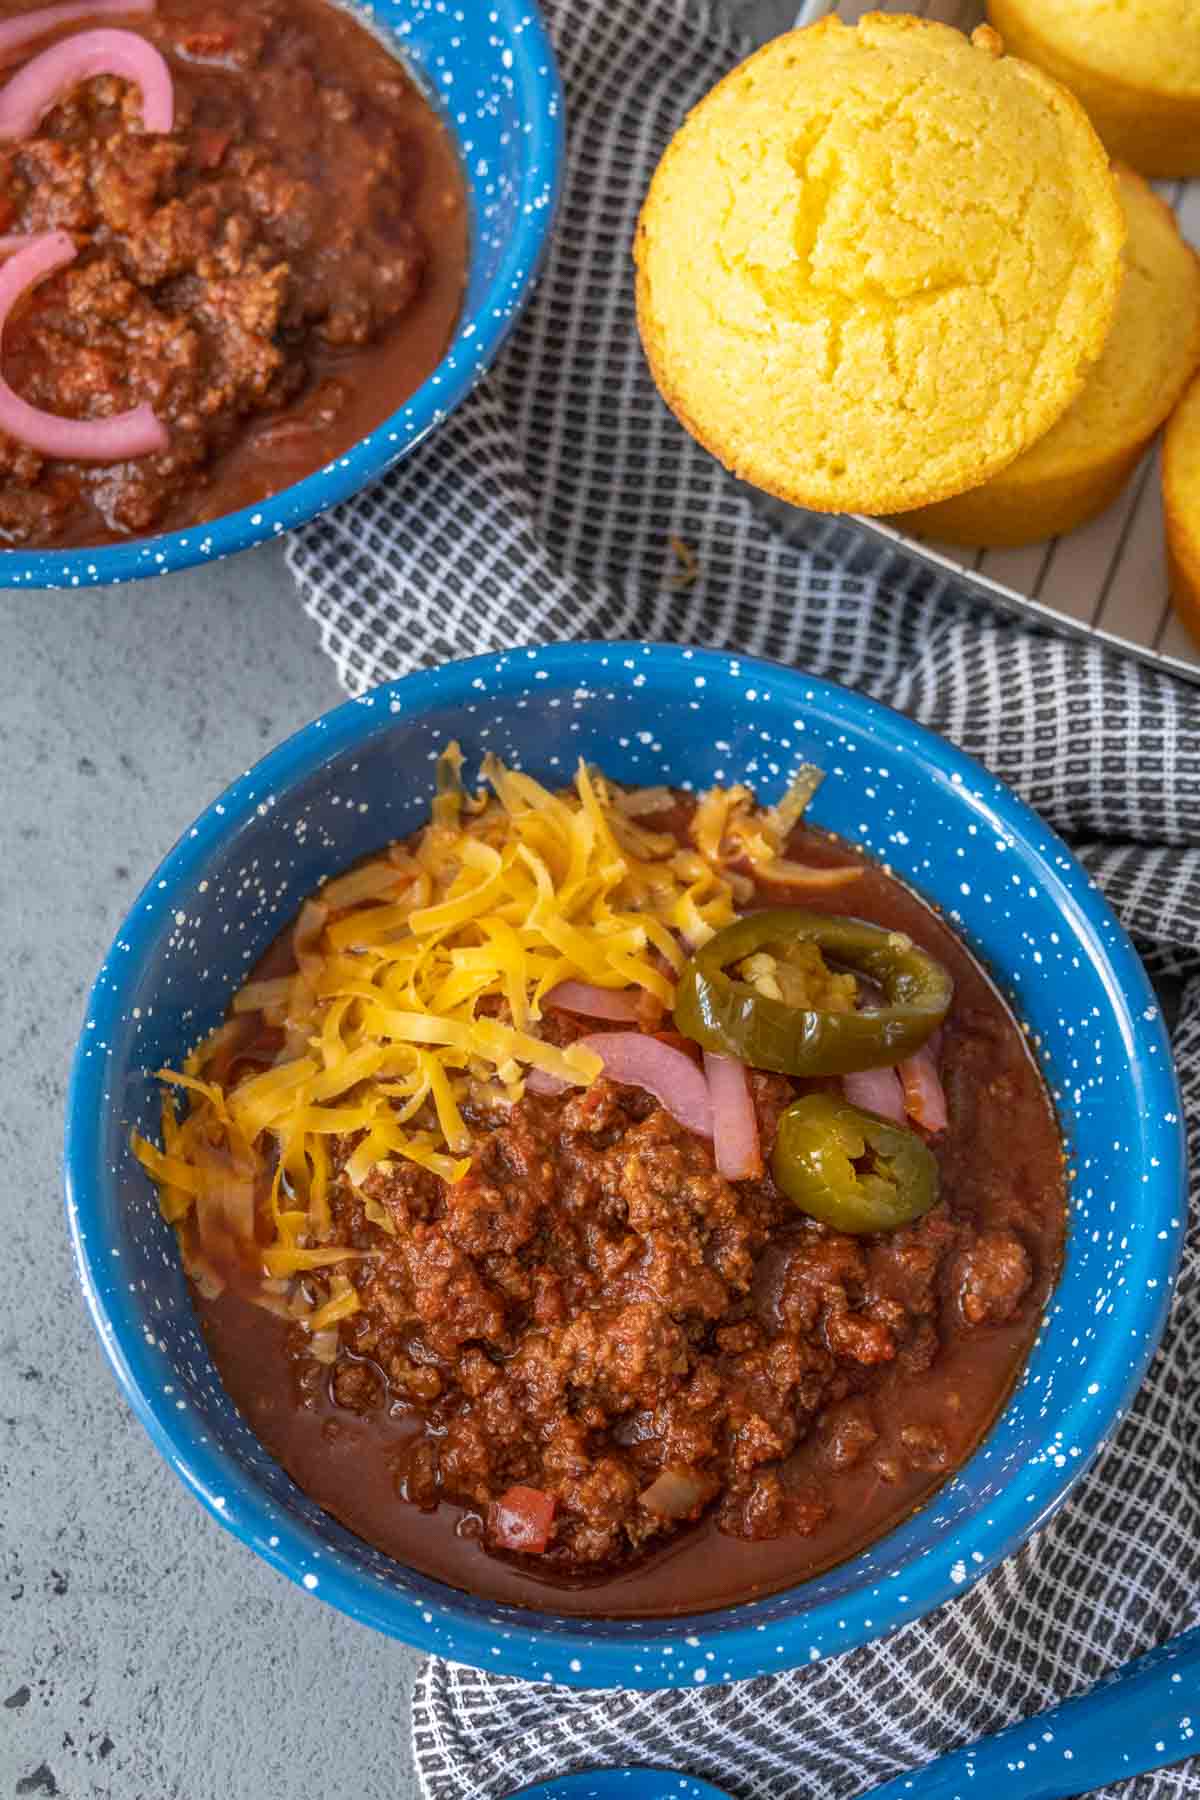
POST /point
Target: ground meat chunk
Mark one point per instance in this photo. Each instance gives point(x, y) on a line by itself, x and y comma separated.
point(903, 1265)
point(991, 1277)
point(599, 1113)
point(849, 1432)
point(412, 1380)
point(355, 314)
point(771, 1393)
point(418, 1474)
point(767, 1509)
point(238, 317)
point(920, 1352)
point(823, 1269)
point(449, 1296)
point(925, 1447)
point(599, 1510)
point(666, 1170)
point(409, 1193)
point(357, 1386)
point(856, 1338)
point(131, 183)
point(497, 1206)
point(617, 1352)
point(31, 514)
point(49, 186)
point(673, 1271)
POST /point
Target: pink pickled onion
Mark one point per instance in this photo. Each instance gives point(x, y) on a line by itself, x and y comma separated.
point(669, 1074)
point(735, 1122)
point(33, 90)
point(877, 1091)
point(91, 440)
point(540, 1081)
point(594, 1002)
point(16, 33)
point(924, 1096)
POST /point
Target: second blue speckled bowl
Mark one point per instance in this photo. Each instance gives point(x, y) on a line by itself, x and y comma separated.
point(646, 713)
point(488, 67)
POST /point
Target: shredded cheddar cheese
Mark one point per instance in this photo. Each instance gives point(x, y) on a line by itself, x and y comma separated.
point(420, 984)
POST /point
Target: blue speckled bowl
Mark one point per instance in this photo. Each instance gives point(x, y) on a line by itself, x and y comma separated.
point(646, 713)
point(623, 1784)
point(488, 67)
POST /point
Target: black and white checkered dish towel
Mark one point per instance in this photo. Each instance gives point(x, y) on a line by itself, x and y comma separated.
point(545, 509)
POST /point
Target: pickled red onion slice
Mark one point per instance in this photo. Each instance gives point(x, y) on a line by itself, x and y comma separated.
point(16, 33)
point(34, 89)
point(594, 1002)
point(129, 434)
point(924, 1096)
point(670, 1075)
point(540, 1081)
point(876, 1090)
point(735, 1122)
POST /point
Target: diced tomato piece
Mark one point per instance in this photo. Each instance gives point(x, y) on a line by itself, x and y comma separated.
point(521, 1519)
point(208, 44)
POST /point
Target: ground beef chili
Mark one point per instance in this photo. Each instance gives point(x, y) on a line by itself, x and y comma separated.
point(594, 1309)
point(274, 277)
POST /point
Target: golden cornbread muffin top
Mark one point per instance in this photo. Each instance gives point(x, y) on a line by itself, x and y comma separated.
point(1145, 43)
point(1080, 465)
point(1181, 506)
point(876, 263)
point(1151, 351)
point(1182, 454)
point(1181, 475)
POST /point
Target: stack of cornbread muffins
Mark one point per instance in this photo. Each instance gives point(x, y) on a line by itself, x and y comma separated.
point(888, 269)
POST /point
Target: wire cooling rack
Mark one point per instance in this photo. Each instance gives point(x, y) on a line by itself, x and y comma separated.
point(1109, 579)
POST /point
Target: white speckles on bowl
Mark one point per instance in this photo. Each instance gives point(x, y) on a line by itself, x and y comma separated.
point(364, 774)
point(488, 67)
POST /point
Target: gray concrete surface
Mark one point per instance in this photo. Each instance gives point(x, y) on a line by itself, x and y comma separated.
point(144, 1655)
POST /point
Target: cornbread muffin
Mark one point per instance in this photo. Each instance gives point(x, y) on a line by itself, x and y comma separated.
point(1181, 506)
point(877, 262)
point(1083, 462)
point(1135, 65)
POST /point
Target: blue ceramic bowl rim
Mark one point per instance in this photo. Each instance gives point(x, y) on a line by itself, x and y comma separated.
point(630, 1781)
point(746, 1648)
point(535, 68)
